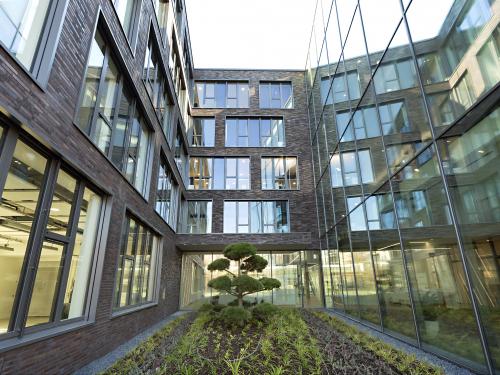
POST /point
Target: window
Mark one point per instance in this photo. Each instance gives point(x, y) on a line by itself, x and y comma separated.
point(465, 31)
point(230, 94)
point(202, 132)
point(161, 11)
point(345, 86)
point(51, 215)
point(219, 173)
point(138, 273)
point(167, 195)
point(397, 75)
point(489, 60)
point(441, 108)
point(365, 124)
point(30, 32)
point(181, 156)
point(379, 213)
point(255, 132)
point(422, 165)
point(431, 68)
point(111, 118)
point(346, 173)
point(198, 217)
point(394, 118)
point(275, 95)
point(279, 173)
point(128, 13)
point(256, 217)
point(463, 93)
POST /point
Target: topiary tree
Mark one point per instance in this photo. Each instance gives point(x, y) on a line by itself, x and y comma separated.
point(240, 284)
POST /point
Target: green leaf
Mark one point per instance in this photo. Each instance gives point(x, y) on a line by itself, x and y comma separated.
point(254, 263)
point(220, 264)
point(239, 251)
point(221, 283)
point(269, 283)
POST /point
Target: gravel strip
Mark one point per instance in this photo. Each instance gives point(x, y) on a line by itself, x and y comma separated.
point(448, 367)
point(109, 359)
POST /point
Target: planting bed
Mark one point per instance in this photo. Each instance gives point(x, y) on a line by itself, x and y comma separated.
point(291, 342)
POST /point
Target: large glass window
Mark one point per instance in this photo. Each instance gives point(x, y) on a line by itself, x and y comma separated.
point(275, 95)
point(167, 195)
point(255, 132)
point(50, 218)
point(202, 133)
point(345, 170)
point(379, 213)
point(279, 173)
point(26, 27)
point(128, 12)
point(111, 118)
point(138, 272)
point(393, 76)
point(343, 86)
point(229, 94)
point(161, 11)
point(256, 217)
point(197, 217)
point(181, 156)
point(219, 173)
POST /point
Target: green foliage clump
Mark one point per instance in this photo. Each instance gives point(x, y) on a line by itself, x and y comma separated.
point(254, 263)
point(235, 316)
point(221, 283)
point(238, 251)
point(264, 311)
point(220, 264)
point(239, 283)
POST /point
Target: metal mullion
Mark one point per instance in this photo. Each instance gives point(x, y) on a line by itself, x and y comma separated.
point(100, 86)
point(396, 216)
point(116, 116)
point(118, 290)
point(34, 246)
point(75, 215)
point(7, 153)
point(136, 157)
point(145, 243)
point(453, 214)
point(132, 258)
point(128, 129)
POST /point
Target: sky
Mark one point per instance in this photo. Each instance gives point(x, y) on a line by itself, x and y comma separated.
point(275, 34)
point(257, 34)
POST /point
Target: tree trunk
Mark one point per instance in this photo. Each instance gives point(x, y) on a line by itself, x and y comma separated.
point(240, 301)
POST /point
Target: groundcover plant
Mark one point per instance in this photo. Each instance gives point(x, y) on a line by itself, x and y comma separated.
point(286, 341)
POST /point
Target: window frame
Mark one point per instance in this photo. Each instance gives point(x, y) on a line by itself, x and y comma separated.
point(357, 171)
point(39, 234)
point(198, 103)
point(152, 233)
point(136, 112)
point(43, 60)
point(284, 161)
point(193, 135)
point(260, 119)
point(170, 213)
point(202, 176)
point(132, 34)
point(262, 223)
point(184, 225)
point(281, 84)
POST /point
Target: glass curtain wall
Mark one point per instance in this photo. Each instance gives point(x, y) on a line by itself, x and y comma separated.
point(406, 186)
point(298, 271)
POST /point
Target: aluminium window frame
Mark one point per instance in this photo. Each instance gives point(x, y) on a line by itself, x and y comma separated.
point(201, 175)
point(281, 84)
point(44, 57)
point(19, 333)
point(152, 233)
point(261, 224)
point(284, 161)
point(136, 110)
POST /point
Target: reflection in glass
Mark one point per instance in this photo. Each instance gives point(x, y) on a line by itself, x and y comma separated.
point(17, 211)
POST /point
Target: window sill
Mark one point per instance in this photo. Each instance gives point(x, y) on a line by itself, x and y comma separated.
point(132, 309)
point(30, 338)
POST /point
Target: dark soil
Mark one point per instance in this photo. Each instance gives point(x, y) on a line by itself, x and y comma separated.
point(341, 355)
point(166, 345)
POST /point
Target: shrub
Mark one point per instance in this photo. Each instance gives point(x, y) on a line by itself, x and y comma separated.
point(206, 307)
point(264, 311)
point(235, 316)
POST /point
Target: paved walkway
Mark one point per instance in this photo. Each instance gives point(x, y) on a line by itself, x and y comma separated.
point(109, 359)
point(448, 367)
